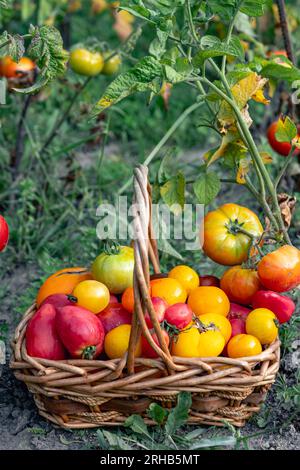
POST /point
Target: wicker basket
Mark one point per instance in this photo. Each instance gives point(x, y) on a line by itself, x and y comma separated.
point(84, 394)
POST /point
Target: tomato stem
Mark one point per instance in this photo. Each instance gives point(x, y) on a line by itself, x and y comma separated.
point(88, 352)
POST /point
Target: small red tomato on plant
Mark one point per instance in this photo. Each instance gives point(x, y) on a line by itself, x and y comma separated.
point(240, 284)
point(279, 270)
point(4, 233)
point(42, 339)
point(113, 316)
point(283, 148)
point(209, 280)
point(147, 350)
point(282, 306)
point(179, 315)
point(80, 331)
point(160, 306)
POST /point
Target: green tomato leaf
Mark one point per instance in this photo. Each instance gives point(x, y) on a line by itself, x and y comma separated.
point(255, 7)
point(145, 75)
point(173, 193)
point(206, 187)
point(46, 49)
point(227, 9)
point(214, 47)
point(157, 413)
point(15, 47)
point(285, 71)
point(286, 130)
point(179, 415)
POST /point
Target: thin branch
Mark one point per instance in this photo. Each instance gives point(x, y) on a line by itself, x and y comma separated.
point(19, 149)
point(285, 30)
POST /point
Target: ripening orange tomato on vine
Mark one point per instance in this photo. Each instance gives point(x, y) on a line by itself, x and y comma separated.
point(11, 69)
point(224, 243)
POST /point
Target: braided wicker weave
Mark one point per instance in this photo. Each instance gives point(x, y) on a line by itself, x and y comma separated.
point(79, 393)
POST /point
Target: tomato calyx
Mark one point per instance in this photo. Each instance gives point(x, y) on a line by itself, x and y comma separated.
point(172, 330)
point(72, 298)
point(88, 352)
point(111, 247)
point(202, 328)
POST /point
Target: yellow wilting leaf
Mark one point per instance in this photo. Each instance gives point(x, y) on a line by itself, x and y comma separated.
point(266, 157)
point(243, 170)
point(105, 102)
point(248, 88)
point(227, 139)
point(260, 97)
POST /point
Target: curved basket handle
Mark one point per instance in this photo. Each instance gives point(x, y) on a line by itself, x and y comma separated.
point(145, 247)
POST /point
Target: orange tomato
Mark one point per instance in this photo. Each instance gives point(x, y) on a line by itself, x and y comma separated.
point(223, 243)
point(209, 299)
point(62, 282)
point(11, 69)
point(187, 277)
point(240, 284)
point(168, 289)
point(243, 346)
point(280, 270)
point(128, 299)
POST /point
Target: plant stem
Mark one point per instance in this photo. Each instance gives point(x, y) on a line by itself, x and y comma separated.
point(66, 113)
point(285, 30)
point(164, 140)
point(288, 160)
point(102, 148)
point(19, 150)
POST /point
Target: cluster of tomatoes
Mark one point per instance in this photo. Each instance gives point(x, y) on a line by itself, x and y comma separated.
point(88, 314)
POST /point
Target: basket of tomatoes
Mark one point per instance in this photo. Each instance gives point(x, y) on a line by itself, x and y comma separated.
point(101, 344)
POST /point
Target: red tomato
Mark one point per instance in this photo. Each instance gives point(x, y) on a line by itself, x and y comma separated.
point(59, 300)
point(240, 284)
point(209, 281)
point(147, 350)
point(280, 270)
point(179, 315)
point(283, 148)
point(113, 299)
point(42, 339)
point(4, 233)
point(160, 306)
point(238, 327)
point(238, 311)
point(113, 316)
point(282, 306)
point(81, 332)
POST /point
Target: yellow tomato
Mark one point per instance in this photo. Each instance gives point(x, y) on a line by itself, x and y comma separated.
point(117, 341)
point(187, 277)
point(85, 62)
point(112, 65)
point(92, 295)
point(218, 321)
point(209, 299)
point(192, 343)
point(261, 323)
point(168, 289)
point(243, 346)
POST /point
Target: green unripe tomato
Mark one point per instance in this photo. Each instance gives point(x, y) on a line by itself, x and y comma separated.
point(115, 270)
point(112, 65)
point(85, 62)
